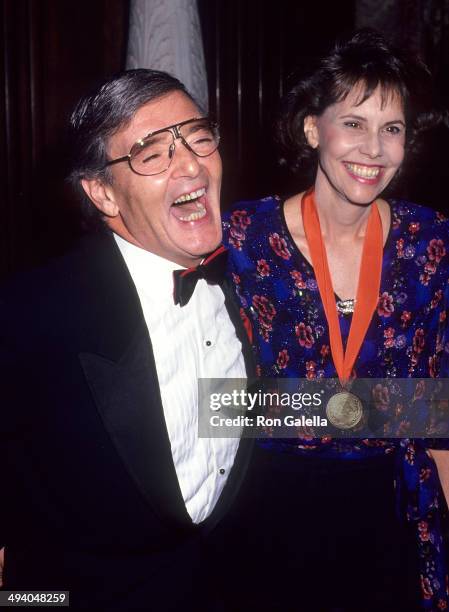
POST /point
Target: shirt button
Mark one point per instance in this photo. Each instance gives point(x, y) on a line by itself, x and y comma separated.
point(222, 471)
point(208, 343)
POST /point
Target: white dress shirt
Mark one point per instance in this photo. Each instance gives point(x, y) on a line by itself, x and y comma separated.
point(195, 341)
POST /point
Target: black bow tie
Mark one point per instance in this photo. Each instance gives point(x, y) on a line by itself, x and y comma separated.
point(212, 270)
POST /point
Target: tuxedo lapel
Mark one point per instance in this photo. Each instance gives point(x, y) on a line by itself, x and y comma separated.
point(122, 377)
point(242, 333)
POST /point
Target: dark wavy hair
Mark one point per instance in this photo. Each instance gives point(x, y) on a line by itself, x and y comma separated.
point(96, 117)
point(365, 58)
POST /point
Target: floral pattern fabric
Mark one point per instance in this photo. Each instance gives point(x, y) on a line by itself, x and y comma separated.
point(279, 298)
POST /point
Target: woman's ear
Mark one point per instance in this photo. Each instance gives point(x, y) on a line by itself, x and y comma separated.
point(311, 131)
point(102, 195)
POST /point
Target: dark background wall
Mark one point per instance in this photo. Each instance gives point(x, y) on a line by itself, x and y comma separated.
point(53, 50)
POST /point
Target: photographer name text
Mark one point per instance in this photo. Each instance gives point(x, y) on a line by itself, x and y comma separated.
point(264, 421)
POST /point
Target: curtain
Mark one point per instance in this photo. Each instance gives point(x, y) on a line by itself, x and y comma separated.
point(167, 36)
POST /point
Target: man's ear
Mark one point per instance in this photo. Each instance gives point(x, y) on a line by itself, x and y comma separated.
point(102, 195)
point(311, 131)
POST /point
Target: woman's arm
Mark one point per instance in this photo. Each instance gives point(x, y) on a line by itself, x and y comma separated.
point(441, 458)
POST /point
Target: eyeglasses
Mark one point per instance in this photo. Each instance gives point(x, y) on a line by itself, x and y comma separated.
point(154, 153)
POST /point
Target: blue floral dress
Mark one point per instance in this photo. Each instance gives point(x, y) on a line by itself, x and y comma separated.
point(279, 299)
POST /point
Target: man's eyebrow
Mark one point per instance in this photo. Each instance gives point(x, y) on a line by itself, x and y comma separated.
point(155, 136)
point(190, 128)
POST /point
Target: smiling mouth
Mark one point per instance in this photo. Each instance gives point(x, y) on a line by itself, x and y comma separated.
point(364, 172)
point(190, 206)
point(188, 197)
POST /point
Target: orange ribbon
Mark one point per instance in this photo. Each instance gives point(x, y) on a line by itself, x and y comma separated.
point(368, 286)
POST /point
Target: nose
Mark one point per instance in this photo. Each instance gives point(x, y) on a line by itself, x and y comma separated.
point(184, 161)
point(371, 145)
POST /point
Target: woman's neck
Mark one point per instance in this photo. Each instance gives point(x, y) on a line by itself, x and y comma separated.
point(340, 219)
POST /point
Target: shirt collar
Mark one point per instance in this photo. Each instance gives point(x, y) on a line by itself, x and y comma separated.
point(148, 271)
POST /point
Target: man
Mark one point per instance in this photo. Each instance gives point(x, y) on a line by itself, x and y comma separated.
point(108, 491)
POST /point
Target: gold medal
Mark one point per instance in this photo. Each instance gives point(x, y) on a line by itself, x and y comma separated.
point(344, 410)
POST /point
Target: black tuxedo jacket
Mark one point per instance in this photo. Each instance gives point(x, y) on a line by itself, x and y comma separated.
point(90, 499)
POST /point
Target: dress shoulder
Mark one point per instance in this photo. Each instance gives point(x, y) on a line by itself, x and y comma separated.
point(246, 221)
point(415, 218)
point(254, 207)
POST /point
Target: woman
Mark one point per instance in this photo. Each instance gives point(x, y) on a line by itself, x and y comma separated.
point(305, 269)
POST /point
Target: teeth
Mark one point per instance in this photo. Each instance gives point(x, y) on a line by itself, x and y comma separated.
point(190, 196)
point(363, 171)
point(196, 215)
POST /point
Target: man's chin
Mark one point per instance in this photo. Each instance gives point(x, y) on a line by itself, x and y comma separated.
point(201, 244)
point(195, 256)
